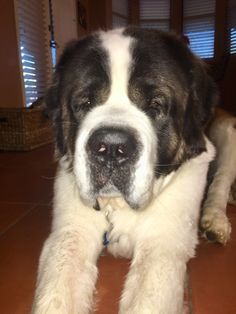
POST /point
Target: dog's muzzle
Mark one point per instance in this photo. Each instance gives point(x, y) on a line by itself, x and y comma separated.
point(112, 153)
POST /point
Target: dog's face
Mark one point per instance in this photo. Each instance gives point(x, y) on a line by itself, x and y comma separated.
point(128, 107)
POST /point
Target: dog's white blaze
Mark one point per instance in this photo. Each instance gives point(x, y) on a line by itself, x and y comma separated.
point(118, 48)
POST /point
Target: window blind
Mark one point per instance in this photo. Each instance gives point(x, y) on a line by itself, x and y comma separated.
point(120, 13)
point(155, 14)
point(33, 48)
point(199, 26)
point(232, 25)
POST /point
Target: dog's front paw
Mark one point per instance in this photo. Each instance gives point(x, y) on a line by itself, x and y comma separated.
point(120, 236)
point(50, 304)
point(215, 226)
point(121, 248)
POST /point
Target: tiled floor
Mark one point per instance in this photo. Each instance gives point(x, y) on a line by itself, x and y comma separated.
point(213, 275)
point(26, 181)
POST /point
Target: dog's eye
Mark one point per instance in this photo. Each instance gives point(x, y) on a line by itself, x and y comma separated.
point(153, 111)
point(82, 106)
point(156, 109)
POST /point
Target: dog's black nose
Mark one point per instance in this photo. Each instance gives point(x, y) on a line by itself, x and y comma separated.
point(115, 146)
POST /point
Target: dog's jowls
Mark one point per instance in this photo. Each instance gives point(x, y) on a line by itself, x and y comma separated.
point(128, 107)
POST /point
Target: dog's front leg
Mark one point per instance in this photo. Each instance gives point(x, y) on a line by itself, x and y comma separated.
point(67, 269)
point(155, 284)
point(166, 236)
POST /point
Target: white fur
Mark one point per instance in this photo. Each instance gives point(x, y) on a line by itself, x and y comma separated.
point(214, 219)
point(118, 47)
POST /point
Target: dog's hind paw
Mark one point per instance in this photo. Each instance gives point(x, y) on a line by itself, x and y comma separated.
point(215, 226)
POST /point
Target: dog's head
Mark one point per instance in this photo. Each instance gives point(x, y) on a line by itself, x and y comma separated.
point(128, 106)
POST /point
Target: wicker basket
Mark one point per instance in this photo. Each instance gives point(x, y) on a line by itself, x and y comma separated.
point(24, 129)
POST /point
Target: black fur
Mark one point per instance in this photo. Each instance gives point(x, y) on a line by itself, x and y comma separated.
point(171, 84)
point(81, 81)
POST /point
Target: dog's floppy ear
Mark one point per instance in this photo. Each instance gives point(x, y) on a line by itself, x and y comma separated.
point(54, 99)
point(202, 100)
point(54, 110)
point(205, 93)
point(51, 99)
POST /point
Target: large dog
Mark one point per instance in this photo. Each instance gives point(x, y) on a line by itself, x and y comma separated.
point(129, 107)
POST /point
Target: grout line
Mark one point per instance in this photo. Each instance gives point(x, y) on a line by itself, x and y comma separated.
point(19, 219)
point(27, 203)
point(21, 203)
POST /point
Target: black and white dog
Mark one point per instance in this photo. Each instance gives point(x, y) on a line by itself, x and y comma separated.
point(129, 106)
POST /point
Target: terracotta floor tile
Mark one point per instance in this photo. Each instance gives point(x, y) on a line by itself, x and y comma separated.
point(38, 157)
point(27, 176)
point(20, 248)
point(27, 185)
point(213, 275)
point(11, 213)
point(111, 278)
